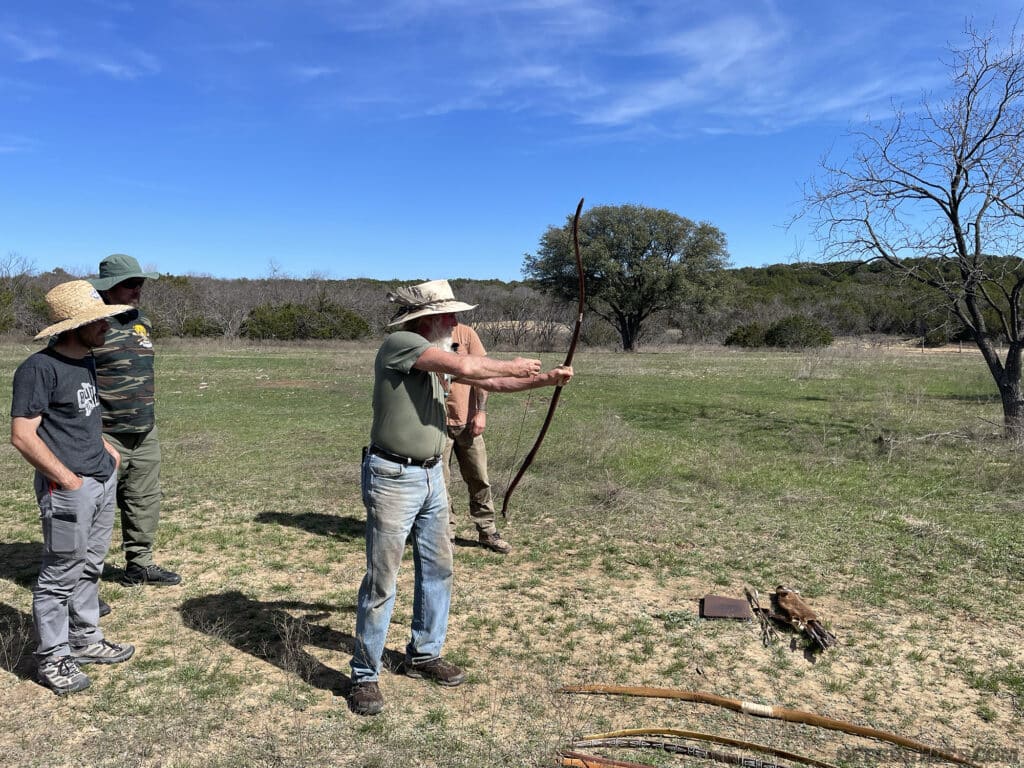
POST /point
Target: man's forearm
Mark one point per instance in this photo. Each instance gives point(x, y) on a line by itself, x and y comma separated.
point(510, 384)
point(476, 369)
point(468, 369)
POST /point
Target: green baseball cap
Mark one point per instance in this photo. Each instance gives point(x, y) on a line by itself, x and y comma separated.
point(117, 268)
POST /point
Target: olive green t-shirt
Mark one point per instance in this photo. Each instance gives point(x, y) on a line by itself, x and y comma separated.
point(408, 404)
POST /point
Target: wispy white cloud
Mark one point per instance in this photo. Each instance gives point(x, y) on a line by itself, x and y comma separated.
point(12, 145)
point(611, 65)
point(27, 50)
point(308, 73)
point(49, 45)
point(607, 64)
point(239, 47)
point(133, 64)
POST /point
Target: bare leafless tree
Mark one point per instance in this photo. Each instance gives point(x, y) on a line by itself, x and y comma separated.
point(938, 194)
point(18, 300)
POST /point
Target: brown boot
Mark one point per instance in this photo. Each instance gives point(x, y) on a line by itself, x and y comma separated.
point(440, 671)
point(495, 543)
point(365, 699)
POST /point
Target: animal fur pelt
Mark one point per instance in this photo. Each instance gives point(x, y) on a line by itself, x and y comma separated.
point(788, 606)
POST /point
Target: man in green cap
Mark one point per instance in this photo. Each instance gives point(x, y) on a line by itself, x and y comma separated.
point(124, 372)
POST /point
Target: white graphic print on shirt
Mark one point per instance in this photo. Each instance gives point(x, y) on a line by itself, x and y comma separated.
point(88, 398)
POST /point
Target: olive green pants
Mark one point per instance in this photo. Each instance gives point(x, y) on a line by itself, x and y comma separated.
point(138, 493)
point(471, 453)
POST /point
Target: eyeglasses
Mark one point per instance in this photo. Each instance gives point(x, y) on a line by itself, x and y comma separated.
point(132, 284)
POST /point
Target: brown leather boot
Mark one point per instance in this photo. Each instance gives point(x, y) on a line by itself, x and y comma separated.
point(495, 543)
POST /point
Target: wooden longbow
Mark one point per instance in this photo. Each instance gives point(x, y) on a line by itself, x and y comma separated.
point(581, 293)
point(573, 759)
point(596, 739)
point(775, 713)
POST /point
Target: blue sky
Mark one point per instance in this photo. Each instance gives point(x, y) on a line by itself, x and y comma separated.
point(431, 138)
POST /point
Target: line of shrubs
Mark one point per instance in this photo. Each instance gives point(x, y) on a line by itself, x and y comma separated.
point(793, 332)
point(290, 321)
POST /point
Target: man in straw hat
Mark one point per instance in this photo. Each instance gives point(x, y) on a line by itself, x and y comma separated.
point(403, 482)
point(124, 369)
point(56, 426)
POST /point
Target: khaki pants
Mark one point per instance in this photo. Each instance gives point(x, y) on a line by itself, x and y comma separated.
point(138, 493)
point(471, 453)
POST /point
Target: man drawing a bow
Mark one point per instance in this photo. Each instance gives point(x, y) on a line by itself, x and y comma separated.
point(403, 483)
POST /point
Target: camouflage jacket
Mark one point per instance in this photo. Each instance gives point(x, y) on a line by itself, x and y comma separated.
point(124, 373)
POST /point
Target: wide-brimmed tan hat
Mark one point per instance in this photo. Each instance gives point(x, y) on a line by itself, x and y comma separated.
point(75, 304)
point(117, 268)
point(434, 297)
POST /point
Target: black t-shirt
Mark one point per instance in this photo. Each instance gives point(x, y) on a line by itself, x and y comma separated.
point(63, 391)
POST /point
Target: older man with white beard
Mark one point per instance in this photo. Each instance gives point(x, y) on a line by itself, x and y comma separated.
point(403, 482)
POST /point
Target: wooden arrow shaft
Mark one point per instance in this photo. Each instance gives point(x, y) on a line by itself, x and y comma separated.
point(585, 741)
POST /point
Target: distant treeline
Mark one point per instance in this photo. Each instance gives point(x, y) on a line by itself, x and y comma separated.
point(844, 298)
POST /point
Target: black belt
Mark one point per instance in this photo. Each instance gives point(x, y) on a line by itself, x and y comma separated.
point(425, 463)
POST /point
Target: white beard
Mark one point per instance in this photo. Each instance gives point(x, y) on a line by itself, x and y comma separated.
point(439, 336)
point(444, 343)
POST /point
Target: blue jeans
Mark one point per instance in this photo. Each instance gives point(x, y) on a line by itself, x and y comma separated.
point(402, 500)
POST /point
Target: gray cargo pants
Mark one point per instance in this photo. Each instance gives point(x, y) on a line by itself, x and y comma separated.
point(76, 536)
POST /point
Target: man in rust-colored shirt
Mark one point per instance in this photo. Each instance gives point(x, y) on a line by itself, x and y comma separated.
point(467, 419)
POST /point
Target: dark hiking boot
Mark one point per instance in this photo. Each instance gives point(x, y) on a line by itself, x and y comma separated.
point(365, 698)
point(62, 675)
point(104, 609)
point(495, 543)
point(440, 671)
point(154, 575)
point(103, 652)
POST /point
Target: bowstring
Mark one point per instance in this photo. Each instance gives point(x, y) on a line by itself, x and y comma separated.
point(519, 441)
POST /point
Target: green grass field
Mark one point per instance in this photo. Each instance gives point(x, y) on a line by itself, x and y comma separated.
point(873, 480)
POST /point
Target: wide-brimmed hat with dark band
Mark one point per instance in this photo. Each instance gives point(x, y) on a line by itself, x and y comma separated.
point(72, 305)
point(434, 297)
point(117, 268)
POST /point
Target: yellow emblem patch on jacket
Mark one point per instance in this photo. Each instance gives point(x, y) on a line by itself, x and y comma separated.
point(140, 329)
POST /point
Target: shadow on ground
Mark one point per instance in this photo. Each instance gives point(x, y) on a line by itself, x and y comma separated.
point(272, 632)
point(335, 526)
point(19, 562)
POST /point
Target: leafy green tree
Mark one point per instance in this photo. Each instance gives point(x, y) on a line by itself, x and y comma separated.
point(637, 261)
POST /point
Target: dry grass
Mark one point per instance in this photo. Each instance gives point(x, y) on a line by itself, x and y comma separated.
point(666, 476)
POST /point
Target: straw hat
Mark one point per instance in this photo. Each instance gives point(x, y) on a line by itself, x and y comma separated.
point(117, 268)
point(75, 304)
point(431, 298)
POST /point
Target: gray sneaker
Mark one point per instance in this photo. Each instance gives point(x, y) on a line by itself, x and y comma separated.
point(62, 675)
point(103, 652)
